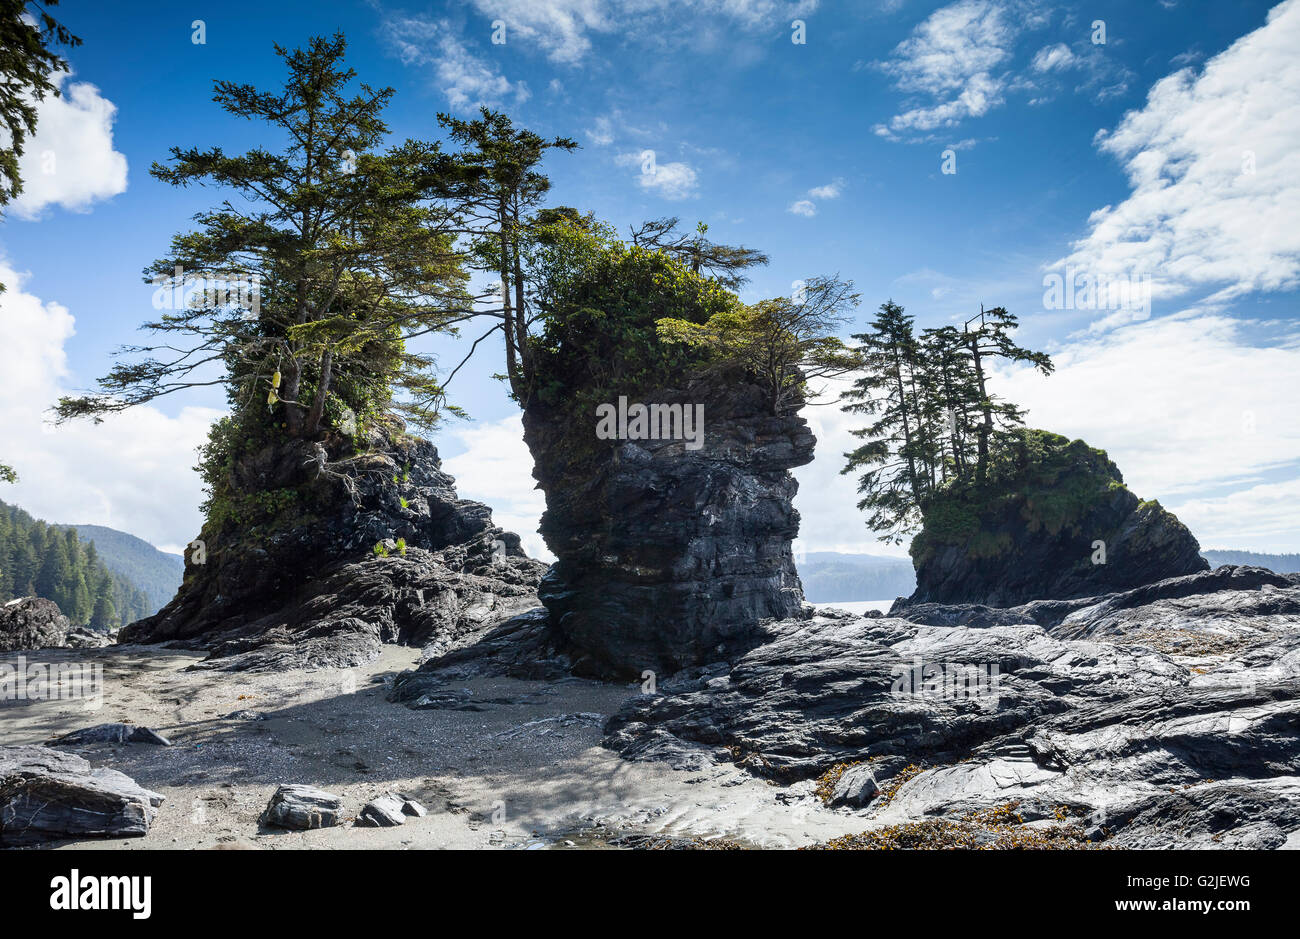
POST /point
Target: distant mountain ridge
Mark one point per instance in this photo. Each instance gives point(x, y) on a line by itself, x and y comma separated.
point(155, 572)
point(1277, 563)
point(831, 577)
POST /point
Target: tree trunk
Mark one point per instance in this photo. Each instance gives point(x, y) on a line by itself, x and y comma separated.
point(311, 426)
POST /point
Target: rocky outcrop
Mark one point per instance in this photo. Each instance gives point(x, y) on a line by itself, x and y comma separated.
point(46, 795)
point(1159, 717)
point(669, 556)
point(1054, 522)
point(32, 623)
point(372, 549)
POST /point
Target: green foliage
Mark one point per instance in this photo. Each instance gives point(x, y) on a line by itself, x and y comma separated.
point(7, 474)
point(935, 425)
point(53, 562)
point(601, 338)
point(1051, 481)
point(782, 343)
point(27, 33)
point(401, 546)
point(380, 551)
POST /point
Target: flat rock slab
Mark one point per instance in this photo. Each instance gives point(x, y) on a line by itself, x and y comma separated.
point(112, 733)
point(302, 807)
point(46, 796)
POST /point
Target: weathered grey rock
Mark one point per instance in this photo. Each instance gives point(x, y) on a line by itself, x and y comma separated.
point(309, 591)
point(385, 811)
point(413, 808)
point(47, 795)
point(856, 787)
point(669, 557)
point(301, 808)
point(1166, 715)
point(112, 733)
point(32, 623)
point(84, 638)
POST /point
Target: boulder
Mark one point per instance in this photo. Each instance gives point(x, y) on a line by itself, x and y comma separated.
point(46, 795)
point(1054, 522)
point(32, 623)
point(856, 787)
point(301, 808)
point(385, 811)
point(112, 733)
point(667, 555)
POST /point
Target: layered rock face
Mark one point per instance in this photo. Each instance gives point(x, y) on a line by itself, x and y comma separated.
point(669, 555)
point(307, 589)
point(1059, 525)
point(1159, 717)
point(32, 623)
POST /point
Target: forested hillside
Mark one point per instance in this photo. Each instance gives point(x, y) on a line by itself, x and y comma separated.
point(1278, 563)
point(135, 560)
point(49, 561)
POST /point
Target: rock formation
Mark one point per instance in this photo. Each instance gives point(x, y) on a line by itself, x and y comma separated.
point(46, 795)
point(375, 549)
point(32, 623)
point(669, 556)
point(1058, 523)
point(1159, 717)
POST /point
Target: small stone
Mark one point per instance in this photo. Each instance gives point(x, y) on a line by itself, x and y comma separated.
point(301, 808)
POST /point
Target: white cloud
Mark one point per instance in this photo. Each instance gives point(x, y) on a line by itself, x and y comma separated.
point(70, 160)
point(951, 57)
point(563, 29)
point(832, 190)
point(465, 78)
point(674, 181)
point(1184, 404)
point(132, 472)
point(1261, 518)
point(1215, 174)
point(602, 132)
point(1054, 58)
point(496, 469)
point(803, 207)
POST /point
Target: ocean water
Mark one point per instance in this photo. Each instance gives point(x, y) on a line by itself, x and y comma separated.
point(857, 606)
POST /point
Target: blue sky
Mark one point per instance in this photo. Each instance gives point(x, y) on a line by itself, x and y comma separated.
point(1164, 156)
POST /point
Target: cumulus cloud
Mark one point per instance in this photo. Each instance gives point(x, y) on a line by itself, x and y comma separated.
point(132, 472)
point(1212, 162)
point(70, 161)
point(1194, 408)
point(803, 207)
point(496, 469)
point(673, 181)
point(467, 79)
